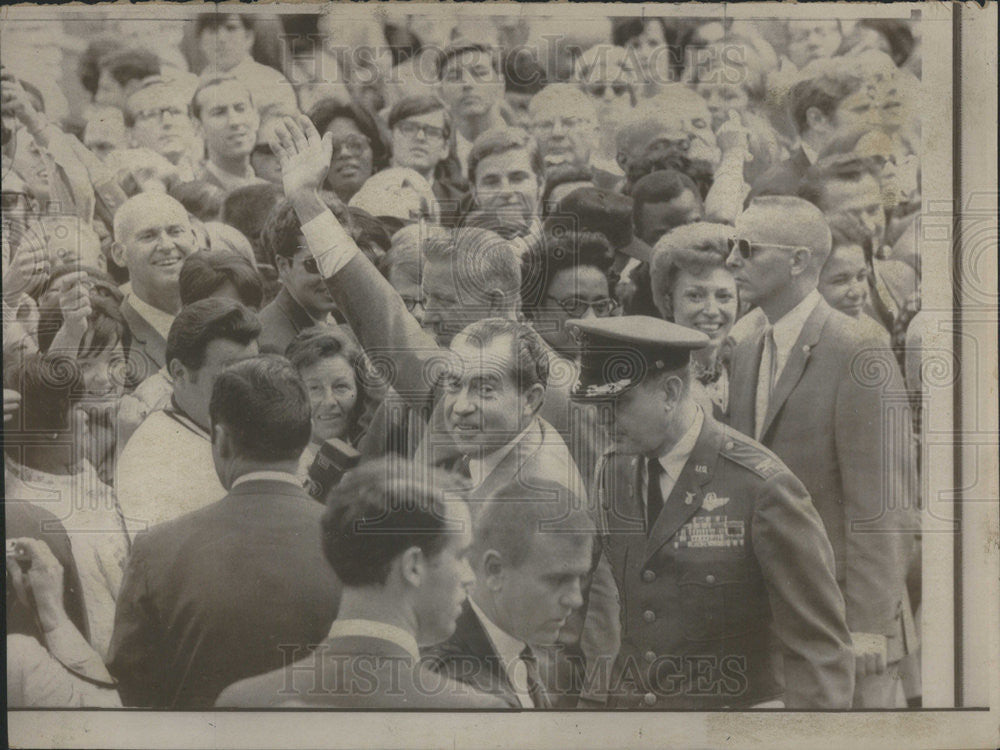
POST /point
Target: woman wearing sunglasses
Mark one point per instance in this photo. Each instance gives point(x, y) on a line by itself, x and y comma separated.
point(693, 287)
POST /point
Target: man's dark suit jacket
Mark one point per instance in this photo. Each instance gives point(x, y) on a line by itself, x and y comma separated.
point(355, 672)
point(837, 403)
point(783, 178)
point(469, 657)
point(281, 321)
point(147, 350)
point(235, 589)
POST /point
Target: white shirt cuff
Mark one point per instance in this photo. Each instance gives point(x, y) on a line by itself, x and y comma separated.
point(329, 243)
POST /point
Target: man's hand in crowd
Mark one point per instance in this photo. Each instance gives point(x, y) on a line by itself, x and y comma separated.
point(11, 403)
point(733, 136)
point(40, 579)
point(869, 654)
point(15, 100)
point(28, 269)
point(303, 154)
point(74, 303)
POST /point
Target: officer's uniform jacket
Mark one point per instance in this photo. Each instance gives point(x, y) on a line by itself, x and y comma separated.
point(731, 598)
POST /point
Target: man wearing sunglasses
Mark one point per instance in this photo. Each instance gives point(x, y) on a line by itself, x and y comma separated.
point(803, 386)
point(303, 300)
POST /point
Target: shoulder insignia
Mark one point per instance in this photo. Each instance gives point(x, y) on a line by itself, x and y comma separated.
point(752, 456)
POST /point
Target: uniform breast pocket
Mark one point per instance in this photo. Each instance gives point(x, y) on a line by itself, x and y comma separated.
point(714, 601)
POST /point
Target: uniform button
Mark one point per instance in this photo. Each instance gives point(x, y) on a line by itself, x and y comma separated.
point(650, 656)
point(730, 445)
point(648, 576)
point(688, 499)
point(710, 578)
point(649, 615)
point(649, 699)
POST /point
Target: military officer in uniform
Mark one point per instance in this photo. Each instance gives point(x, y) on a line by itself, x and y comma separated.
point(726, 577)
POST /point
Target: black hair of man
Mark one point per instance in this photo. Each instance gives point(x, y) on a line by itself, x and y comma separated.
point(203, 274)
point(202, 322)
point(263, 404)
point(378, 511)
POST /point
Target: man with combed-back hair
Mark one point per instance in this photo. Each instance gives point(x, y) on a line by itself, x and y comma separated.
point(398, 539)
point(166, 467)
point(235, 588)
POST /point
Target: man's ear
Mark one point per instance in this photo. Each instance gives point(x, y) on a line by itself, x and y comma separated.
point(801, 260)
point(492, 567)
point(499, 304)
point(176, 369)
point(412, 564)
point(673, 388)
point(118, 253)
point(222, 441)
point(281, 264)
point(533, 398)
point(621, 160)
point(815, 119)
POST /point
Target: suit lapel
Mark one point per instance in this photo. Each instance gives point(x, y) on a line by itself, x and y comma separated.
point(506, 471)
point(471, 639)
point(743, 383)
point(686, 497)
point(796, 363)
point(144, 334)
point(295, 313)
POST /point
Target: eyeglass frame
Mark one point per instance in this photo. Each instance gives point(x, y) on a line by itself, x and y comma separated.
point(361, 140)
point(428, 131)
point(157, 113)
point(735, 244)
point(412, 302)
point(589, 305)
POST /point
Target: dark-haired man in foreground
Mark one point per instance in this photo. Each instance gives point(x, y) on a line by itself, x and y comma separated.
point(224, 592)
point(400, 547)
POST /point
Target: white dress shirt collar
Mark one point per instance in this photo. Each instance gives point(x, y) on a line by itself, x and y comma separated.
point(269, 476)
point(787, 329)
point(509, 649)
point(161, 321)
point(810, 152)
point(374, 629)
point(674, 460)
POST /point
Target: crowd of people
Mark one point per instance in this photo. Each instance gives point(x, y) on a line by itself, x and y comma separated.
point(488, 362)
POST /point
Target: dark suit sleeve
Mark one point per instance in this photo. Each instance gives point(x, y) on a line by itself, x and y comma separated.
point(874, 452)
point(797, 563)
point(389, 334)
point(135, 655)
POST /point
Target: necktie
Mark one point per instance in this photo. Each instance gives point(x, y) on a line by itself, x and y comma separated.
point(765, 380)
point(535, 689)
point(654, 492)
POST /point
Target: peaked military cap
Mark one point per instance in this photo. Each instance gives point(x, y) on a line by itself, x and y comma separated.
point(617, 353)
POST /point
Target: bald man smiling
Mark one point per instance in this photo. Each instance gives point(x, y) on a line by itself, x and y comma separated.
point(152, 237)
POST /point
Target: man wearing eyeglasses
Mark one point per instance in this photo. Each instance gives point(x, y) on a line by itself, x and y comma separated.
point(159, 116)
point(804, 385)
point(227, 120)
point(421, 128)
